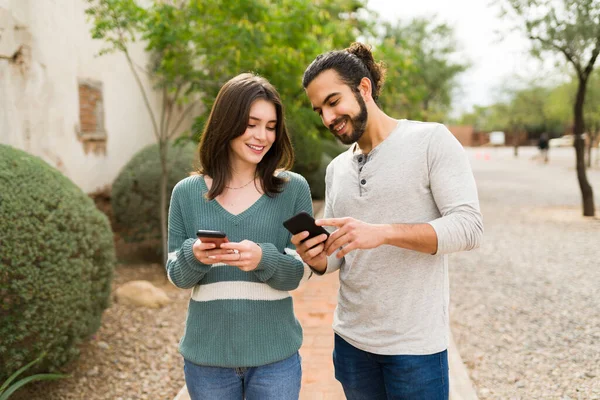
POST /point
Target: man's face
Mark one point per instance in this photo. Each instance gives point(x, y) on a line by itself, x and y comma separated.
point(341, 109)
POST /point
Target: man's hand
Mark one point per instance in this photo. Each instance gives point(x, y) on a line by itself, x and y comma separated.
point(311, 251)
point(351, 234)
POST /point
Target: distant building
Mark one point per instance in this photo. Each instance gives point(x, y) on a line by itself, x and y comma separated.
point(82, 114)
point(468, 136)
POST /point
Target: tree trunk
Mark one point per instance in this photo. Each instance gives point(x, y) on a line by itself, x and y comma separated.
point(586, 189)
point(588, 161)
point(162, 148)
point(517, 140)
point(593, 135)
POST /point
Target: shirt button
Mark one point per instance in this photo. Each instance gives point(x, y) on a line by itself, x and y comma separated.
point(363, 181)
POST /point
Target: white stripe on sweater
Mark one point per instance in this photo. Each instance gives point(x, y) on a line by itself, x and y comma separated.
point(237, 290)
point(172, 256)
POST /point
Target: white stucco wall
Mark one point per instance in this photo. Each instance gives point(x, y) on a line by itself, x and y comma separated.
point(39, 101)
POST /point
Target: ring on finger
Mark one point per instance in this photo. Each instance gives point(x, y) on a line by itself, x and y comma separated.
point(239, 256)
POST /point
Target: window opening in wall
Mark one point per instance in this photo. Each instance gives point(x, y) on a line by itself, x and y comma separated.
point(90, 130)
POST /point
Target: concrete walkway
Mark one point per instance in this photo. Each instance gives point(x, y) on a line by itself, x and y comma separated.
point(314, 304)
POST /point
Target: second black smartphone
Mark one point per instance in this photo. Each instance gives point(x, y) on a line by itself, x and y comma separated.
point(304, 222)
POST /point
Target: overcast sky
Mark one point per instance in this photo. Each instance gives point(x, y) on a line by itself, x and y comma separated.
point(477, 26)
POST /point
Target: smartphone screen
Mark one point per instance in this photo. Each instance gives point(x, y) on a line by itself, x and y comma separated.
point(216, 237)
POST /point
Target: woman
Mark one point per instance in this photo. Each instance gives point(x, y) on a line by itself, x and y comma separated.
point(241, 338)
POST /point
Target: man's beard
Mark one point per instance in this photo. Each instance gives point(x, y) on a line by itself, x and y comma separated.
point(358, 123)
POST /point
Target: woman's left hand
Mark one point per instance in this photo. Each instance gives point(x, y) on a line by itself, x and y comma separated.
point(247, 255)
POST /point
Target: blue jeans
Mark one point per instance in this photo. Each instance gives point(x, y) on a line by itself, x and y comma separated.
point(368, 376)
point(277, 381)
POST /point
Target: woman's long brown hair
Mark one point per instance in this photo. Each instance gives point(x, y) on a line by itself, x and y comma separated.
point(228, 119)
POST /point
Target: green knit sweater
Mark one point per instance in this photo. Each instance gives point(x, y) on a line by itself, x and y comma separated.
point(237, 318)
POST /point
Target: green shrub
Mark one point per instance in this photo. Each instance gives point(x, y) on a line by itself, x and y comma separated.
point(136, 191)
point(306, 141)
point(333, 148)
point(315, 173)
point(56, 262)
point(316, 179)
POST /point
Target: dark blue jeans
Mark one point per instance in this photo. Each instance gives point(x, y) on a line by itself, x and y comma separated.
point(368, 376)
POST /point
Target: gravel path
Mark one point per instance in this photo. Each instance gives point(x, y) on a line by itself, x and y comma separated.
point(525, 306)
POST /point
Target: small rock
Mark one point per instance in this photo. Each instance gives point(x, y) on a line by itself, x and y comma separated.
point(141, 293)
point(103, 345)
point(93, 372)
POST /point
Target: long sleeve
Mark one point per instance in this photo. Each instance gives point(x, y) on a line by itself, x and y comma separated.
point(285, 271)
point(183, 268)
point(453, 186)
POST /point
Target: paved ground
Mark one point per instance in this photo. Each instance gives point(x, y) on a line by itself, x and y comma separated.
point(524, 307)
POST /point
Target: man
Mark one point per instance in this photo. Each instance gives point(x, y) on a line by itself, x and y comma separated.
point(402, 197)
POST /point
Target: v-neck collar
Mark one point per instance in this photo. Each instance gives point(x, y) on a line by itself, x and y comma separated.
point(234, 217)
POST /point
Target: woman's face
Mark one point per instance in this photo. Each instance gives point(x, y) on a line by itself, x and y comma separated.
point(250, 148)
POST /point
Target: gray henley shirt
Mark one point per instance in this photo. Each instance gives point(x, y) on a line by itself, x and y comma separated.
point(395, 301)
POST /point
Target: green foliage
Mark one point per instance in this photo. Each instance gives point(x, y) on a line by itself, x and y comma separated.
point(316, 179)
point(421, 73)
point(569, 27)
point(56, 264)
point(135, 198)
point(333, 148)
point(533, 108)
point(195, 46)
point(316, 176)
point(10, 386)
point(278, 40)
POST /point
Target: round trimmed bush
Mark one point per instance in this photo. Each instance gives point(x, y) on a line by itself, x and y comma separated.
point(136, 191)
point(56, 263)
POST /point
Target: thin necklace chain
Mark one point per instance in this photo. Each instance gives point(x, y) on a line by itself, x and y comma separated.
point(240, 187)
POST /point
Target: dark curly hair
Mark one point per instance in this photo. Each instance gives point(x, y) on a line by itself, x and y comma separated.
point(352, 64)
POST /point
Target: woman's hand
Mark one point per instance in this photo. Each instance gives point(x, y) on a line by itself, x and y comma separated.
point(203, 251)
point(245, 255)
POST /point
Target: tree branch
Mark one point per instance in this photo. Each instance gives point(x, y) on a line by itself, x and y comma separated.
point(181, 118)
point(137, 78)
point(590, 66)
point(170, 113)
point(563, 50)
point(163, 111)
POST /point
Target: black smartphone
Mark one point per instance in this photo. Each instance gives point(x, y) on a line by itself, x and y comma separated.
point(304, 222)
point(216, 237)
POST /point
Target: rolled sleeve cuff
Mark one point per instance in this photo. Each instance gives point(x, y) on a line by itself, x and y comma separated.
point(333, 264)
point(268, 263)
point(187, 254)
